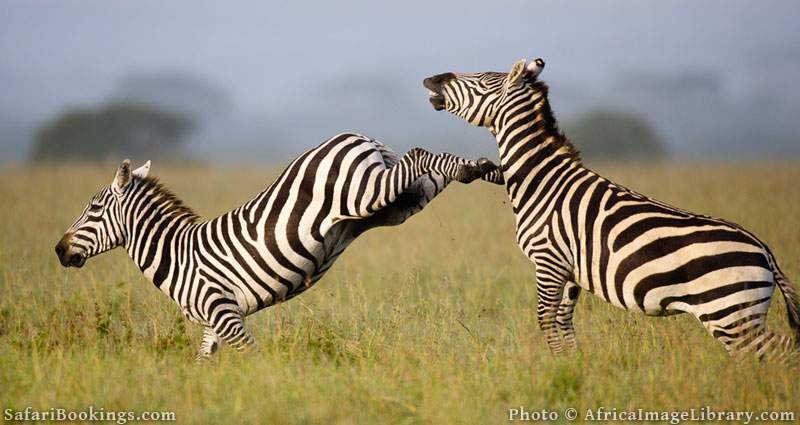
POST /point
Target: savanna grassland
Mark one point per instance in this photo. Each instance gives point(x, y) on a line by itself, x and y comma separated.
point(431, 322)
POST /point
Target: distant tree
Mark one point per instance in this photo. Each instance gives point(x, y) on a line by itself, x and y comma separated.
point(614, 135)
point(181, 92)
point(117, 129)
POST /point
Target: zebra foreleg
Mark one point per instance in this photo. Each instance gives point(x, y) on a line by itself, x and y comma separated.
point(450, 166)
point(564, 315)
point(549, 294)
point(491, 172)
point(208, 346)
point(228, 325)
point(386, 186)
point(469, 171)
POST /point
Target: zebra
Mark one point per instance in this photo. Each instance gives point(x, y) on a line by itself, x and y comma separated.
point(272, 248)
point(583, 231)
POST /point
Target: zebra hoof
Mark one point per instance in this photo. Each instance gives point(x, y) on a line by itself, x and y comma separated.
point(201, 359)
point(467, 173)
point(485, 165)
point(475, 170)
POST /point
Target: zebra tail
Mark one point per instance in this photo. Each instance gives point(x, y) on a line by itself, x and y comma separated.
point(792, 303)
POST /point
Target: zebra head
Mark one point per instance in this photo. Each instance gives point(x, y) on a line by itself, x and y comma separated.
point(477, 97)
point(100, 226)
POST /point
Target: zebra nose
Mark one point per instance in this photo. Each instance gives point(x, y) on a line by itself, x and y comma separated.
point(62, 246)
point(435, 82)
point(443, 78)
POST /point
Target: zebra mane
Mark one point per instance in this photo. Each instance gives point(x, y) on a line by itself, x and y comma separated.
point(550, 122)
point(174, 205)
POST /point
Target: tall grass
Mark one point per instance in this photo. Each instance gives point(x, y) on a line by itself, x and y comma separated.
point(430, 322)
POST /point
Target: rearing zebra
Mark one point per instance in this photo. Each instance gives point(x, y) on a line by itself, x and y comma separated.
point(584, 231)
point(273, 247)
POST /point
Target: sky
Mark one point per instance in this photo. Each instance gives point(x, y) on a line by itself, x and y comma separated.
point(274, 56)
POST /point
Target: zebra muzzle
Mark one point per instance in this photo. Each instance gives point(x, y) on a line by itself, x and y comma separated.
point(434, 86)
point(67, 258)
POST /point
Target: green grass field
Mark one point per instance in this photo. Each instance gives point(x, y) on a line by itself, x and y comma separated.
point(430, 322)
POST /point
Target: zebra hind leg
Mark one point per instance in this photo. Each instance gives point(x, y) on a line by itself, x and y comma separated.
point(761, 342)
point(747, 334)
point(777, 347)
point(564, 316)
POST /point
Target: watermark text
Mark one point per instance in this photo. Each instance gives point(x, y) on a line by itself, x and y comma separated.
point(673, 417)
point(90, 414)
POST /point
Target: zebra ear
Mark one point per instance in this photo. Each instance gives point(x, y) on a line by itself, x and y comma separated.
point(535, 67)
point(123, 175)
point(142, 171)
point(516, 73)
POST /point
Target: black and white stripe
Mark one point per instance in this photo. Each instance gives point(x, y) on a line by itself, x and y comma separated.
point(273, 247)
point(583, 231)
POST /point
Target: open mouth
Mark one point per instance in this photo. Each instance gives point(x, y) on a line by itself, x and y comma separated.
point(437, 100)
point(434, 96)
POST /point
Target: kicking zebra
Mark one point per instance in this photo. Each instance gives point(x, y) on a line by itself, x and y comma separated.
point(583, 231)
point(273, 247)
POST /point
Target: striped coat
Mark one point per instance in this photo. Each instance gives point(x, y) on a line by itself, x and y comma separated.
point(584, 232)
point(273, 247)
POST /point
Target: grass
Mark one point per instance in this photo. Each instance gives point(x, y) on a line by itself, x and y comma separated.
point(431, 322)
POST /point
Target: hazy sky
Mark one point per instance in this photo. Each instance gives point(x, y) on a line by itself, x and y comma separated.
point(265, 53)
point(270, 55)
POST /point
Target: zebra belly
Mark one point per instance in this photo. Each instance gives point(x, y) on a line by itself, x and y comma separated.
point(658, 280)
point(259, 281)
point(596, 289)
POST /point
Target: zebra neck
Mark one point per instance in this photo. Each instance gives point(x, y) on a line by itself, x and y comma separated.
point(532, 148)
point(158, 235)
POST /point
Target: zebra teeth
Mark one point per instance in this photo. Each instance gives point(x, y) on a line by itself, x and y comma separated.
point(432, 93)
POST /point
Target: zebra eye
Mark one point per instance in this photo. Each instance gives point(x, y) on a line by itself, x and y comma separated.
point(95, 208)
